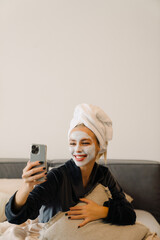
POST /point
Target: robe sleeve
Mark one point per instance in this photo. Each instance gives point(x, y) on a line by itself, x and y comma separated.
point(120, 212)
point(41, 195)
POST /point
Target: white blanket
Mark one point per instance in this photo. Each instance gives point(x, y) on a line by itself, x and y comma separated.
point(32, 230)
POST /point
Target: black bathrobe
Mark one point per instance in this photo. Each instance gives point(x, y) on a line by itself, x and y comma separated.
point(63, 189)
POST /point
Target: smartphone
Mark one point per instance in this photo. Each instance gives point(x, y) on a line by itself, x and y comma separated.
point(39, 153)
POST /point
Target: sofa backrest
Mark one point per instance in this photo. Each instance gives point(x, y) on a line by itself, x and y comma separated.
point(141, 180)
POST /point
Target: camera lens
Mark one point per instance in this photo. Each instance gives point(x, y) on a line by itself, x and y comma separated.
point(35, 149)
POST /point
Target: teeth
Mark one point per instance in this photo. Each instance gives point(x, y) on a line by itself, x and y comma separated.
point(80, 157)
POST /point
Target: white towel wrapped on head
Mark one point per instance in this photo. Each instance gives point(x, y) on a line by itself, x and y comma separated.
point(96, 120)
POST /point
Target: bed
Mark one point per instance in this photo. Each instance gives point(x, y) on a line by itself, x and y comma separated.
point(140, 180)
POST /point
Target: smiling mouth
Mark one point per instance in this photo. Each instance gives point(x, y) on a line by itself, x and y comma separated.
point(80, 157)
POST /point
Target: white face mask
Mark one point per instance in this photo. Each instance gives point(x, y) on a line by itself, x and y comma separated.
point(81, 152)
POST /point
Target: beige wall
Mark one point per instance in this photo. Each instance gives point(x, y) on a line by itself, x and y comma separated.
point(56, 54)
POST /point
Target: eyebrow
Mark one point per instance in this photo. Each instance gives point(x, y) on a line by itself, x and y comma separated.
point(84, 139)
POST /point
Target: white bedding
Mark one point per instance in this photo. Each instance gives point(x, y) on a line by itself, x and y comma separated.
point(32, 230)
point(148, 220)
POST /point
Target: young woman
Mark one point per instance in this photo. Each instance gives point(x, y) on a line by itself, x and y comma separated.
point(89, 133)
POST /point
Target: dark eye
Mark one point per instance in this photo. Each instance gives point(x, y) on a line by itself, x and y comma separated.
point(85, 143)
point(72, 144)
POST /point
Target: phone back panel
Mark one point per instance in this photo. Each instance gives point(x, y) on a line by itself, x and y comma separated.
point(39, 153)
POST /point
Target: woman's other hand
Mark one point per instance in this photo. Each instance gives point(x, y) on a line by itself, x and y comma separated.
point(89, 212)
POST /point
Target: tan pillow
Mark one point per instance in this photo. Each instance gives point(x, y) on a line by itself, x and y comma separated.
point(60, 227)
point(10, 185)
point(7, 188)
point(4, 197)
point(128, 197)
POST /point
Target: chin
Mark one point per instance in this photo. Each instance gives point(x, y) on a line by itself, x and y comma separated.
point(82, 163)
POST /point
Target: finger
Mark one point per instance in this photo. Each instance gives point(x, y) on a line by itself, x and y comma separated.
point(35, 177)
point(76, 217)
point(83, 223)
point(39, 182)
point(74, 212)
point(38, 176)
point(76, 208)
point(31, 165)
point(85, 200)
point(33, 171)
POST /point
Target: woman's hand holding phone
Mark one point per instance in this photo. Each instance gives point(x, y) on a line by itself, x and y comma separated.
point(32, 173)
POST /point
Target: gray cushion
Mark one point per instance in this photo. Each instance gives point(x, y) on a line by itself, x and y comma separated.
point(60, 227)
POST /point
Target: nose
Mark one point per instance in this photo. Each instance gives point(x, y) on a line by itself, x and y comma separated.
point(78, 148)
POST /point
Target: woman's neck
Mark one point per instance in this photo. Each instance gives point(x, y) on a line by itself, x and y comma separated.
point(86, 172)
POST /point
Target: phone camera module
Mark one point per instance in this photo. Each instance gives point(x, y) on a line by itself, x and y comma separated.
point(35, 149)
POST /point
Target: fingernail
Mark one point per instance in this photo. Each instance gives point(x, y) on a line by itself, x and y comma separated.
point(46, 173)
point(41, 162)
point(78, 226)
point(44, 168)
point(69, 217)
point(66, 214)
